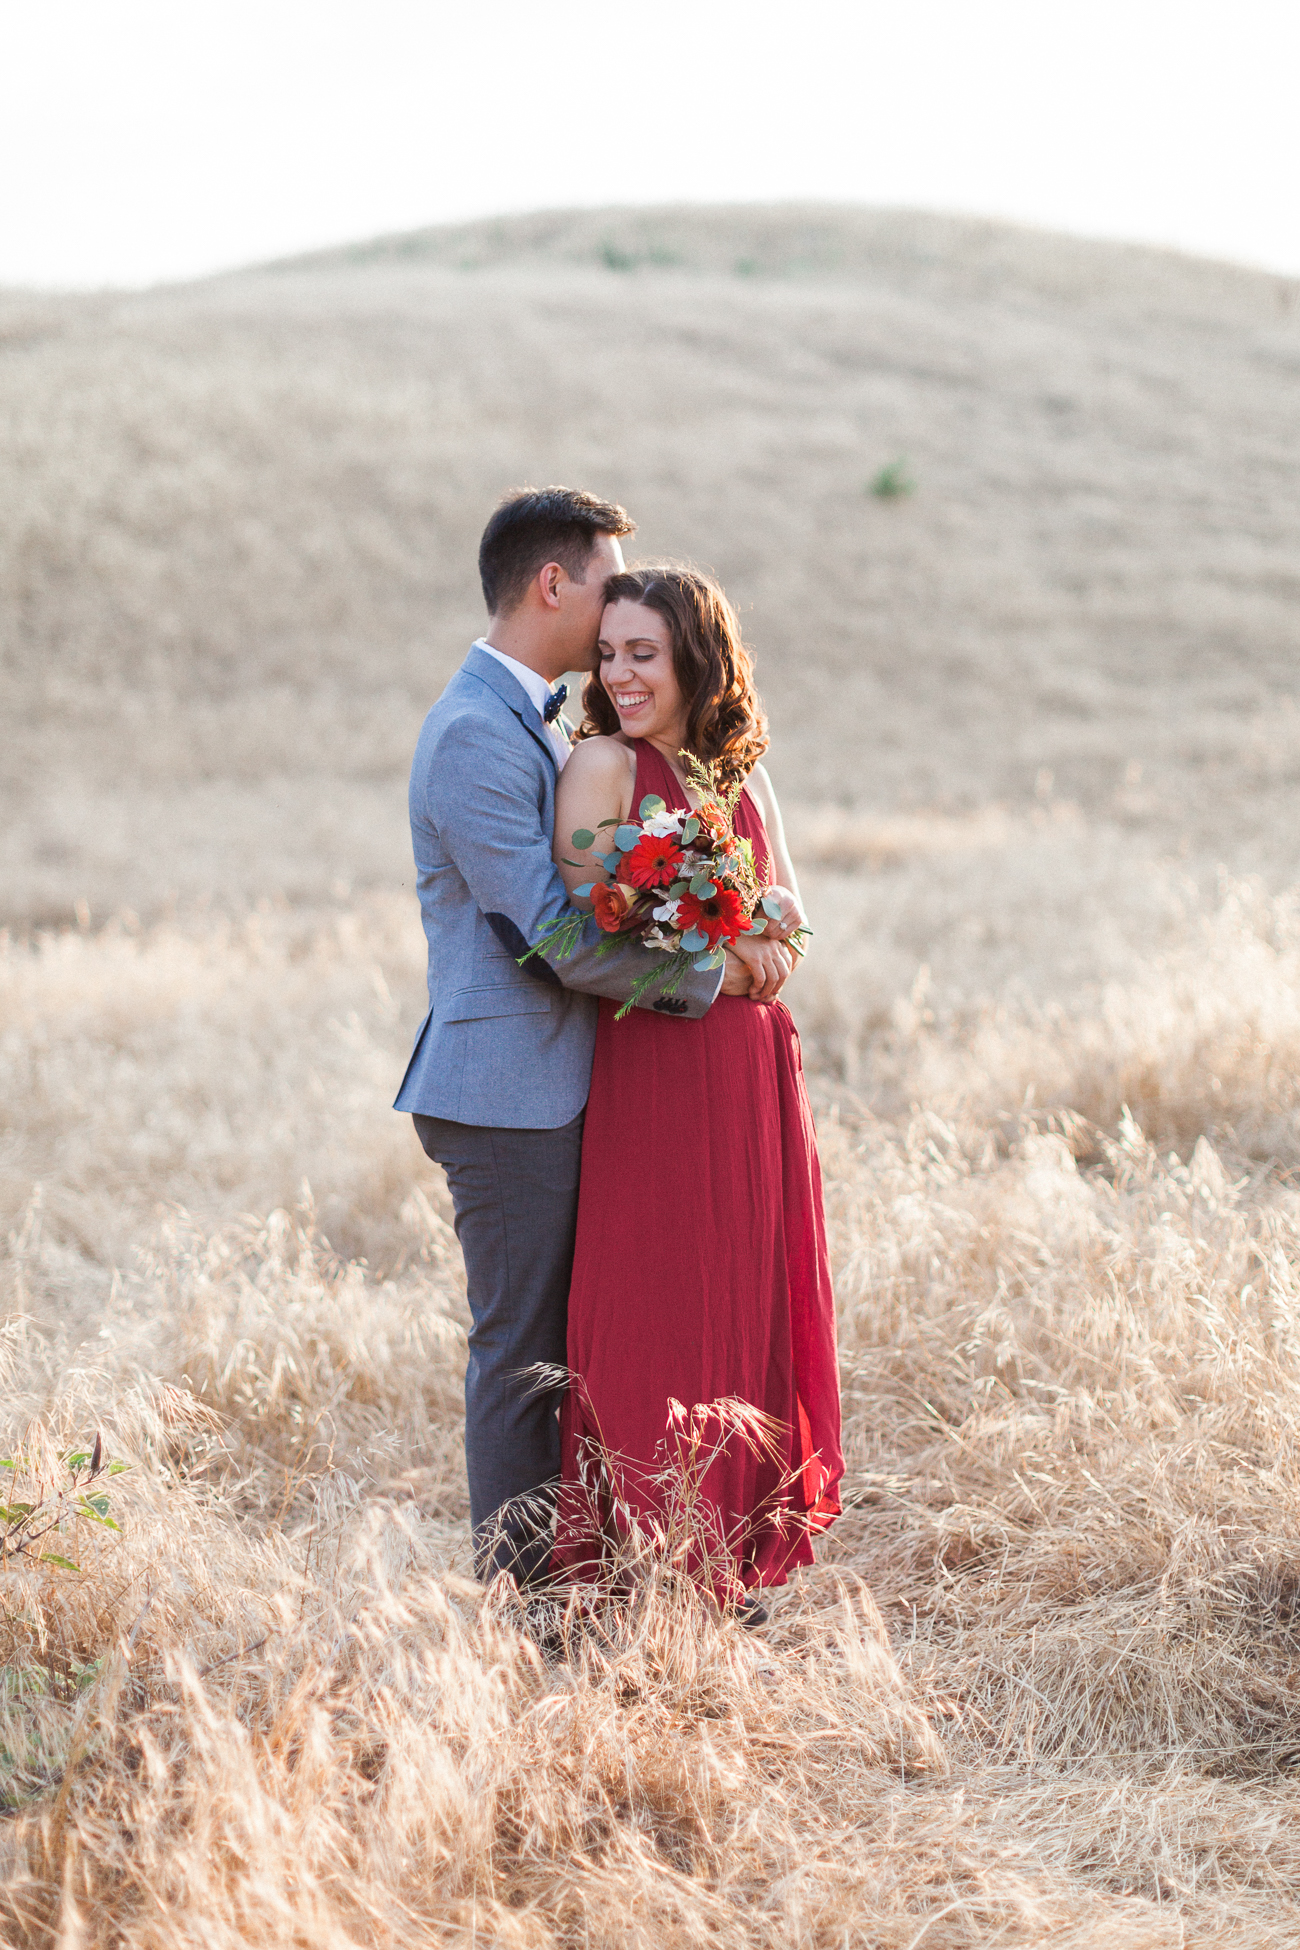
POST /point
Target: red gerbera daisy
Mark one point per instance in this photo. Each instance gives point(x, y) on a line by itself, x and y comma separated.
point(652, 862)
point(722, 918)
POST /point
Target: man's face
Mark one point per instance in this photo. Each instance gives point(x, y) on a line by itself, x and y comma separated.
point(584, 602)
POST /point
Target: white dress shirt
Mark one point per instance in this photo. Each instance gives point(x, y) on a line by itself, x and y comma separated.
point(539, 691)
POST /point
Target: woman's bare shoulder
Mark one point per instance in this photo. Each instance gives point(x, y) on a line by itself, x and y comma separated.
point(595, 760)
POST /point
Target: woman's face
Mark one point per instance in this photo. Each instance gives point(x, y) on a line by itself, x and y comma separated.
point(636, 669)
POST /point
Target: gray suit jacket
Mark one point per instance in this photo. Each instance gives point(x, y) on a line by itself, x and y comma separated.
point(501, 1045)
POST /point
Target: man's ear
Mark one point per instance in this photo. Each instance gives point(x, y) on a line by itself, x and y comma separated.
point(549, 579)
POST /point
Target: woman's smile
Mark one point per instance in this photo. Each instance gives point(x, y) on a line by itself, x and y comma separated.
point(626, 702)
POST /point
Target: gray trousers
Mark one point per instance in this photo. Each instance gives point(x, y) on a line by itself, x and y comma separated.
point(515, 1194)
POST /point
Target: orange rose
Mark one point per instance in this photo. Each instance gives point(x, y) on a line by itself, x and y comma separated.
point(612, 906)
point(713, 824)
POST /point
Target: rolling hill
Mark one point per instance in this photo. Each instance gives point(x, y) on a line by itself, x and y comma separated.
point(238, 522)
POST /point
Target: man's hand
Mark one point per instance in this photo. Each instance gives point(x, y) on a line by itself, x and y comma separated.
point(756, 968)
point(735, 977)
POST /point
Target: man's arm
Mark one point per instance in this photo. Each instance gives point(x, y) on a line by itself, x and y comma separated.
point(481, 794)
point(596, 787)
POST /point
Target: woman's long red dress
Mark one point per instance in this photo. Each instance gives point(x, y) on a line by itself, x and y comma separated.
point(700, 1275)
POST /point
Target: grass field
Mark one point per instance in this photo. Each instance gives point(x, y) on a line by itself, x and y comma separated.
point(1036, 729)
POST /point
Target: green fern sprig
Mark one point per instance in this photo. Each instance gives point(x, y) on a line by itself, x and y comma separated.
point(559, 937)
point(704, 780)
point(670, 974)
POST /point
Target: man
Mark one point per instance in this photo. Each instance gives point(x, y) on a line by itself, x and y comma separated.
point(498, 1080)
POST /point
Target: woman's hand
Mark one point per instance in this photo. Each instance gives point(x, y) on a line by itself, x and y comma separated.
point(756, 967)
point(792, 915)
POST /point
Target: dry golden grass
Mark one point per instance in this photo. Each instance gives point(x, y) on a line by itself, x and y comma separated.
point(1041, 1687)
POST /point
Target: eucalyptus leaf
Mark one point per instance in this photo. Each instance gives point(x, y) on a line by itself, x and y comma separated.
point(608, 822)
point(703, 888)
point(584, 838)
point(650, 806)
point(757, 927)
point(714, 959)
point(770, 907)
point(694, 940)
point(584, 892)
point(626, 838)
point(610, 860)
point(690, 831)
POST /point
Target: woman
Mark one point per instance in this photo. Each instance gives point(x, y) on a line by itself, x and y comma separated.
point(705, 1408)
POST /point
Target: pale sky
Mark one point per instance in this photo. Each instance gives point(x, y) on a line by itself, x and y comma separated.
point(151, 139)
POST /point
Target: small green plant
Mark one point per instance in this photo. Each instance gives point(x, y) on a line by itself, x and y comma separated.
point(893, 481)
point(614, 257)
point(26, 1522)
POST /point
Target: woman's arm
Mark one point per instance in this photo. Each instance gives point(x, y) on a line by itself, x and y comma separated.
point(763, 793)
point(597, 783)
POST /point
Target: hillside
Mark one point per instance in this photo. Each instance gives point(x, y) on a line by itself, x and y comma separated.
point(238, 520)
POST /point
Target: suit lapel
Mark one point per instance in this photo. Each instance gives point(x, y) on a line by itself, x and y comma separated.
point(514, 696)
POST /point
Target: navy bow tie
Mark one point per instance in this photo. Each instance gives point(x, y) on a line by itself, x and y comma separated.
point(554, 703)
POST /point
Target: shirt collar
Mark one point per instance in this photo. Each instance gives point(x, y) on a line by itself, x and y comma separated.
point(533, 682)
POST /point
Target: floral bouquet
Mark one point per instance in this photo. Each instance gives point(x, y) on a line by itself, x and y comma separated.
point(683, 883)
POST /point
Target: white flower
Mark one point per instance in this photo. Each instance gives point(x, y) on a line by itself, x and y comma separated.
point(656, 938)
point(665, 823)
point(668, 912)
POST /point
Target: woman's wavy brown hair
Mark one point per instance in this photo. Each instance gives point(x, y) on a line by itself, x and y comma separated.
point(725, 720)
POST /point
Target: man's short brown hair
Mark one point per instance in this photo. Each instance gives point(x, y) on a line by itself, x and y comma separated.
point(535, 526)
